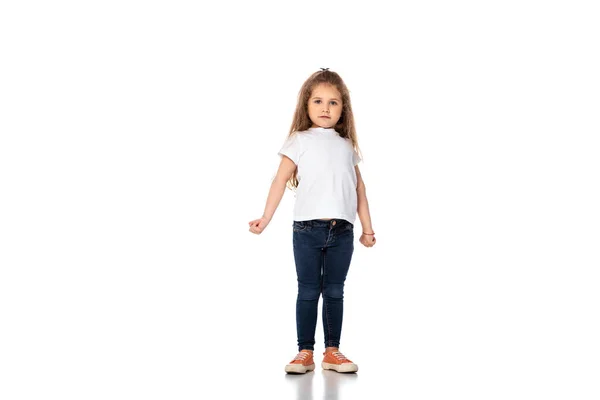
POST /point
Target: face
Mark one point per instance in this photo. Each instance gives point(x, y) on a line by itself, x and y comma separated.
point(324, 106)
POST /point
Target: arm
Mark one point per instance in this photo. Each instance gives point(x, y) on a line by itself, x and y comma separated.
point(363, 204)
point(285, 171)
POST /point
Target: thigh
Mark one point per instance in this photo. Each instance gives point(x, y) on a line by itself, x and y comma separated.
point(308, 253)
point(338, 257)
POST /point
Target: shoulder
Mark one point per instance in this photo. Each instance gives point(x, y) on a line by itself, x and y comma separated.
point(298, 137)
point(347, 141)
point(294, 137)
point(298, 134)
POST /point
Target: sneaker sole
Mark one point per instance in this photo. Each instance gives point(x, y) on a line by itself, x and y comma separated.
point(298, 368)
point(345, 367)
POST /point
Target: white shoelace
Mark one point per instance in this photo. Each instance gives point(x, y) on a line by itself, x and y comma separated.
point(301, 356)
point(339, 355)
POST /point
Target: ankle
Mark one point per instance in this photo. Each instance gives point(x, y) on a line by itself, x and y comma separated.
point(331, 349)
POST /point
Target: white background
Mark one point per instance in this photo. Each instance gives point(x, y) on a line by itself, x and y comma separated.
point(138, 139)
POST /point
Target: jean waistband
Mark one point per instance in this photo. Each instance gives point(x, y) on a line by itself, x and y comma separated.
point(327, 224)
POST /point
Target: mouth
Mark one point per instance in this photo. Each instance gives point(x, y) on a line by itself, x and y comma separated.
point(324, 116)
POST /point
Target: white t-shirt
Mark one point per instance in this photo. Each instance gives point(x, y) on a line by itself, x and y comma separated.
point(326, 175)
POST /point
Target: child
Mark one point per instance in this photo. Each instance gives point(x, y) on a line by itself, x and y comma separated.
point(319, 160)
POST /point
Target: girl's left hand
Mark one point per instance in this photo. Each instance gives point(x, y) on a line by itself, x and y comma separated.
point(367, 240)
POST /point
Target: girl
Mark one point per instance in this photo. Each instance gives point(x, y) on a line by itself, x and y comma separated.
point(319, 160)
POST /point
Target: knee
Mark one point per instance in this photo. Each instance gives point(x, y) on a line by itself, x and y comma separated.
point(308, 292)
point(334, 291)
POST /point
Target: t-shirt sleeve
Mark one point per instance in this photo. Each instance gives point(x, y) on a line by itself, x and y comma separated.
point(291, 148)
point(355, 157)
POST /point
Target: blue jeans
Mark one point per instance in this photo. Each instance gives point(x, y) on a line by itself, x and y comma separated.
point(322, 252)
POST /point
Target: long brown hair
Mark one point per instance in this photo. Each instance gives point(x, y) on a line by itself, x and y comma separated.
point(345, 125)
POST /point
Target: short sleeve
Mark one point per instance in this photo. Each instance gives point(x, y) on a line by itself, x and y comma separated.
point(355, 157)
point(291, 148)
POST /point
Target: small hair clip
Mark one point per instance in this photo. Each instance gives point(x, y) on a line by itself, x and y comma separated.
point(324, 69)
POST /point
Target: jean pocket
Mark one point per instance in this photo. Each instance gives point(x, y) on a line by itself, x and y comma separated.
point(299, 226)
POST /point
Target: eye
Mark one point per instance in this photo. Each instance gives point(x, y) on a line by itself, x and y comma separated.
point(334, 103)
point(317, 101)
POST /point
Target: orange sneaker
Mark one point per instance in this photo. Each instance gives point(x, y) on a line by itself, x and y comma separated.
point(302, 363)
point(338, 362)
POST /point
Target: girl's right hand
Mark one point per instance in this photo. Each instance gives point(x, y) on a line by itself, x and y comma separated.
point(258, 225)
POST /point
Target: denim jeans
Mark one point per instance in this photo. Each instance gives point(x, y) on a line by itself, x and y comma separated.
point(322, 253)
